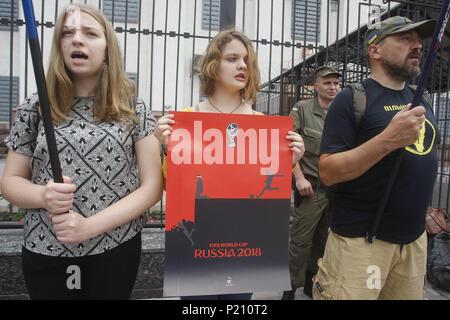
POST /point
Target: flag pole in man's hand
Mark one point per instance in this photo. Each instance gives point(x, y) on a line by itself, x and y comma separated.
point(434, 47)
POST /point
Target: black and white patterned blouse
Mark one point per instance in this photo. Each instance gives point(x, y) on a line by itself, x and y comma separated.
point(100, 159)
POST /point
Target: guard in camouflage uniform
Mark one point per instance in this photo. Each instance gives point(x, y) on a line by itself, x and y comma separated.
point(310, 223)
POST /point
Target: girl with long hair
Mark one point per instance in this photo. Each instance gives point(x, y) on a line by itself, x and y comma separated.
point(82, 238)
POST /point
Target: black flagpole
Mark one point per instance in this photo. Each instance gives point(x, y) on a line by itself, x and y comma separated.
point(44, 103)
point(434, 46)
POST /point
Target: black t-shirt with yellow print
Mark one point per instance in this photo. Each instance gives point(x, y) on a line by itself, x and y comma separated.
point(355, 202)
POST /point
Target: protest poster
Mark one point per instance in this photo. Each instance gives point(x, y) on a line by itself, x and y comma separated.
point(228, 204)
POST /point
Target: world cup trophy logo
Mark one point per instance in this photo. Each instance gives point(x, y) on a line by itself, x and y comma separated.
point(232, 131)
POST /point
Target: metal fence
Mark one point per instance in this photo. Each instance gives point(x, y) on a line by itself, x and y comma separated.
point(163, 39)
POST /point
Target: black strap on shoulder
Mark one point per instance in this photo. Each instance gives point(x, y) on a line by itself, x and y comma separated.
point(359, 101)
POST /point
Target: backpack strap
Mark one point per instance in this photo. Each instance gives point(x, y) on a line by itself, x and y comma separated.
point(359, 101)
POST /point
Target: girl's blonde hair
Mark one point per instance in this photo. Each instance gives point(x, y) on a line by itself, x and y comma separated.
point(208, 65)
point(115, 93)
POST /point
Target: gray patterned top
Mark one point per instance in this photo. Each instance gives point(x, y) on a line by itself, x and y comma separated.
point(100, 159)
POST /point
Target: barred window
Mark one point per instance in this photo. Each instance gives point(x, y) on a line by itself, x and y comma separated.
point(306, 19)
point(211, 14)
point(124, 10)
point(5, 14)
point(6, 83)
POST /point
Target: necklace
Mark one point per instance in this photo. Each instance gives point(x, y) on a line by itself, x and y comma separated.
point(212, 104)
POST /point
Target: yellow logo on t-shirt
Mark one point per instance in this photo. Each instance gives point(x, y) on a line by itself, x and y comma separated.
point(425, 143)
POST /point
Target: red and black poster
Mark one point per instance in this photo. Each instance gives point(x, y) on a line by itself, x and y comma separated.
point(228, 204)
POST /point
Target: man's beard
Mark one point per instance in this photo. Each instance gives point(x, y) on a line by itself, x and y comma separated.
point(405, 71)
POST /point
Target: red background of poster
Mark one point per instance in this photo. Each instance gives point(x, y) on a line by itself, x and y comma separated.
point(224, 180)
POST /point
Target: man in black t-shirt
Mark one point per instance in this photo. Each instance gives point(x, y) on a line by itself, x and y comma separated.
point(359, 160)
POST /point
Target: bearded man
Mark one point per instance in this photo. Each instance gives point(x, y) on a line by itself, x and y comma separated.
point(359, 160)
